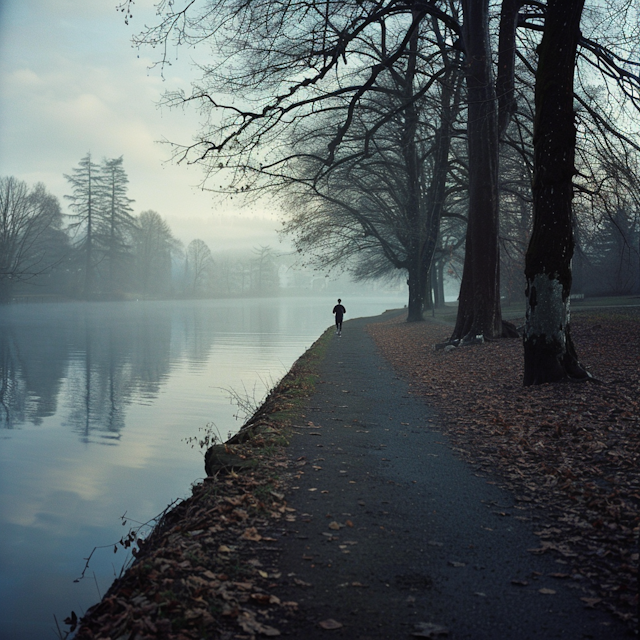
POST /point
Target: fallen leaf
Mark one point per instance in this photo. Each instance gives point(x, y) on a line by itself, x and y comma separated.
point(547, 592)
point(330, 624)
point(193, 614)
point(260, 598)
point(335, 525)
point(245, 586)
point(251, 625)
point(591, 602)
point(429, 630)
point(520, 583)
point(302, 583)
point(251, 534)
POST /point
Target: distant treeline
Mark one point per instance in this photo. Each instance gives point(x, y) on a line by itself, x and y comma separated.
point(101, 250)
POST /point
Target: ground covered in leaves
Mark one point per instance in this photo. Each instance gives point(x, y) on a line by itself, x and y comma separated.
point(571, 449)
point(198, 575)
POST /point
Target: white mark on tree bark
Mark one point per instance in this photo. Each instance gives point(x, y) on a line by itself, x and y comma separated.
point(549, 314)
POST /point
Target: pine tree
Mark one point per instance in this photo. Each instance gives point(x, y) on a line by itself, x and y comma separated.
point(116, 220)
point(85, 181)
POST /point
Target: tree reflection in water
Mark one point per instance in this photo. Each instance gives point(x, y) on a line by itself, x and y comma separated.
point(93, 359)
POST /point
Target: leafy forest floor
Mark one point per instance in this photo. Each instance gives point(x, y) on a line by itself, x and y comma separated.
point(572, 449)
point(569, 451)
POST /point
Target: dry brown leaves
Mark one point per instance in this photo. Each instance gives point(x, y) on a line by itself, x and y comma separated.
point(571, 449)
point(197, 575)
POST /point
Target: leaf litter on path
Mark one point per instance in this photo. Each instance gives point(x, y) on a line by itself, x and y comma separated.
point(570, 451)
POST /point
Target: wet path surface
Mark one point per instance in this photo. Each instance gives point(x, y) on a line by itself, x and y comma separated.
point(392, 531)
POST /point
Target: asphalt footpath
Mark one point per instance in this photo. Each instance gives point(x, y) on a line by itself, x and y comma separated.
point(393, 536)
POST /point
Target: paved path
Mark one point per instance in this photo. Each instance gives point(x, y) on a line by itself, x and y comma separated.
point(422, 538)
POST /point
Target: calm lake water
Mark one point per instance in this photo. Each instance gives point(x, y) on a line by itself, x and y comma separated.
point(97, 401)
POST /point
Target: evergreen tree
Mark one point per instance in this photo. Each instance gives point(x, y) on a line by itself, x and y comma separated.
point(116, 221)
point(86, 180)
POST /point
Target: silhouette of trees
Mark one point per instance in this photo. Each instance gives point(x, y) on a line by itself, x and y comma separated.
point(198, 268)
point(375, 211)
point(102, 222)
point(276, 65)
point(153, 247)
point(264, 273)
point(549, 354)
point(117, 223)
point(85, 182)
point(31, 240)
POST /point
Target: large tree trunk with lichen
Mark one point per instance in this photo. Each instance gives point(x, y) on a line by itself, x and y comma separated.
point(479, 304)
point(549, 354)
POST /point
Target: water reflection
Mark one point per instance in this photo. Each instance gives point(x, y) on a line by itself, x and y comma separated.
point(141, 377)
point(94, 359)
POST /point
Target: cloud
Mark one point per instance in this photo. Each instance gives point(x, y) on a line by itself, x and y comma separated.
point(70, 83)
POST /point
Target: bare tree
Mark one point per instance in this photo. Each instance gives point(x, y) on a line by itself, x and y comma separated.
point(198, 267)
point(264, 271)
point(154, 246)
point(549, 354)
point(29, 218)
point(373, 212)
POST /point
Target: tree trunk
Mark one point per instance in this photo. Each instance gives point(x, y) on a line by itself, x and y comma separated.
point(437, 189)
point(414, 187)
point(416, 282)
point(6, 290)
point(479, 306)
point(439, 285)
point(549, 354)
point(88, 276)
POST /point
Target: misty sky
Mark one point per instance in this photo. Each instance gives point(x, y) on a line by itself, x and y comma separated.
point(70, 82)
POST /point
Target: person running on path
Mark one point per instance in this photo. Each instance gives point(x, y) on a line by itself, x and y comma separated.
point(339, 311)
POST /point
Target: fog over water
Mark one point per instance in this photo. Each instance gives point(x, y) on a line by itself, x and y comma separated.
point(96, 403)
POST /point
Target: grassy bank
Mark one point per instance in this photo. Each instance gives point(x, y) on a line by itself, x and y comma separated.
point(196, 575)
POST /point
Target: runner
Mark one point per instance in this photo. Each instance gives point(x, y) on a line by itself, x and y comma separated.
point(339, 311)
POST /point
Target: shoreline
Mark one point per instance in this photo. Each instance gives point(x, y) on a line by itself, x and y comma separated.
point(186, 560)
point(243, 503)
